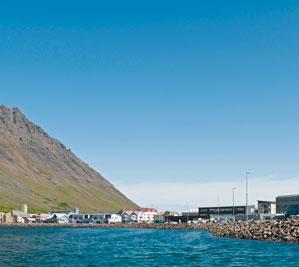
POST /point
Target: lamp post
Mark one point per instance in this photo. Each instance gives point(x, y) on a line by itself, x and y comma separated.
point(187, 211)
point(218, 207)
point(234, 188)
point(247, 174)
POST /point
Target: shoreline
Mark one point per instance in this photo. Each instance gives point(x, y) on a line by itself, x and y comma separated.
point(275, 231)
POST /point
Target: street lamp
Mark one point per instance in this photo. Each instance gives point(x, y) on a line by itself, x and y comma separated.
point(247, 174)
point(234, 188)
point(187, 211)
point(218, 207)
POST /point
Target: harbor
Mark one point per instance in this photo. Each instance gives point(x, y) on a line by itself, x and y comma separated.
point(266, 230)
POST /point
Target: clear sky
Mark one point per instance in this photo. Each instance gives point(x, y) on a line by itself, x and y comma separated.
point(162, 94)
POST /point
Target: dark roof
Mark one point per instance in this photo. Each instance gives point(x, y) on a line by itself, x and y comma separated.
point(266, 201)
point(236, 206)
point(295, 195)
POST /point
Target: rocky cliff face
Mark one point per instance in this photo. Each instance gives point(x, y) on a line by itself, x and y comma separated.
point(38, 170)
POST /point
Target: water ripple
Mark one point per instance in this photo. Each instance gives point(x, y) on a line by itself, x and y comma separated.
point(138, 247)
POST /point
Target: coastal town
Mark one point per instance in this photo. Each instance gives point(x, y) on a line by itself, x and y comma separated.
point(284, 207)
point(270, 220)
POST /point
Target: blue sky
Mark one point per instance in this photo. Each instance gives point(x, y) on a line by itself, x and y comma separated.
point(153, 92)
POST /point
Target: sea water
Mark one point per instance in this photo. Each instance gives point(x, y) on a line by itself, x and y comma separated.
point(46, 246)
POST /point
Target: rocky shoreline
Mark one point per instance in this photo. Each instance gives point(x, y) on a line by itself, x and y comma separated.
point(278, 231)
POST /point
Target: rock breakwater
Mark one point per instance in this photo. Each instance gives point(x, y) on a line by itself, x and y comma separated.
point(286, 230)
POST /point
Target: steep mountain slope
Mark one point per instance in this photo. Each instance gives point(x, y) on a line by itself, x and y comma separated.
point(38, 170)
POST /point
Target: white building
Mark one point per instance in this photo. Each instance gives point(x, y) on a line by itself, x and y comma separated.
point(24, 208)
point(266, 207)
point(75, 211)
point(58, 216)
point(115, 218)
point(147, 215)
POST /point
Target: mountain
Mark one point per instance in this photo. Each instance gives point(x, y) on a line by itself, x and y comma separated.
point(38, 170)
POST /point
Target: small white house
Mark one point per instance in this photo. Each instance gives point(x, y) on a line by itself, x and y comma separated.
point(115, 218)
point(58, 216)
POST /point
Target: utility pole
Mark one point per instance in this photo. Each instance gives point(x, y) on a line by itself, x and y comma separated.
point(247, 174)
point(234, 188)
point(218, 207)
point(187, 211)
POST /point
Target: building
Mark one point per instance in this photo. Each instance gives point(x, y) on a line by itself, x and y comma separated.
point(163, 217)
point(159, 218)
point(75, 211)
point(287, 202)
point(143, 215)
point(15, 216)
point(24, 208)
point(135, 216)
point(185, 217)
point(60, 218)
point(227, 212)
point(126, 216)
point(2, 217)
point(266, 209)
point(115, 218)
point(20, 216)
point(190, 213)
point(190, 216)
point(147, 215)
point(99, 218)
point(41, 217)
point(8, 218)
point(63, 212)
point(178, 219)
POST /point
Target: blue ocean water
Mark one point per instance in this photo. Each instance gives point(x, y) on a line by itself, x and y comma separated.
point(136, 247)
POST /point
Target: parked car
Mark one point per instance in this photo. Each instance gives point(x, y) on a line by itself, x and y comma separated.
point(279, 217)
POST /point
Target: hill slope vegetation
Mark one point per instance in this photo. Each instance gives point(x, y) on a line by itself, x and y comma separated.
point(38, 170)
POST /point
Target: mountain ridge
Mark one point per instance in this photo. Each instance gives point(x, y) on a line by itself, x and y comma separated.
point(40, 171)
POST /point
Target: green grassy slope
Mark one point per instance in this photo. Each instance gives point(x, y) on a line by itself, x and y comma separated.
point(38, 170)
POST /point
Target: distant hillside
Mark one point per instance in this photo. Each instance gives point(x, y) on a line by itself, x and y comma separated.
point(40, 171)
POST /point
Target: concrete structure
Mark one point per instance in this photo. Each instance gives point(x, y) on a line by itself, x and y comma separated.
point(24, 208)
point(283, 203)
point(266, 209)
